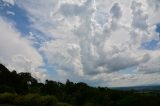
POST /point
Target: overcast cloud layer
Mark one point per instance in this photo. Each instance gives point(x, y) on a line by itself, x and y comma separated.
point(101, 42)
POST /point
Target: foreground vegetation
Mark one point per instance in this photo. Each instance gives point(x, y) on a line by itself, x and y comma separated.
point(21, 89)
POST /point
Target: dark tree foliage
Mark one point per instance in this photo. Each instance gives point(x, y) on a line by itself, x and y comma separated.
point(25, 90)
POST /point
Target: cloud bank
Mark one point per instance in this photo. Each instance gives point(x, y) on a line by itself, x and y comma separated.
point(17, 53)
point(97, 41)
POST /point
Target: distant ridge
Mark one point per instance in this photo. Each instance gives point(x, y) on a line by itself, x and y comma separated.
point(139, 88)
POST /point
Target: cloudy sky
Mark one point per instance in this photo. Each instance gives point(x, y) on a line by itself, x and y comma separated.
point(100, 42)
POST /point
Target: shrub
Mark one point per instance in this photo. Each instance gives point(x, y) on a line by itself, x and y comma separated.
point(47, 100)
point(36, 99)
point(7, 97)
point(26, 100)
point(18, 100)
point(91, 104)
point(63, 104)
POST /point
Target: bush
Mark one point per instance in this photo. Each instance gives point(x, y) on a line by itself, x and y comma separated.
point(7, 98)
point(18, 100)
point(36, 99)
point(91, 104)
point(63, 104)
point(26, 100)
point(47, 100)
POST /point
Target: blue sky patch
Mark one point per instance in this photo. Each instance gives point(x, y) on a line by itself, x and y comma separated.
point(19, 17)
point(21, 22)
point(158, 28)
point(150, 45)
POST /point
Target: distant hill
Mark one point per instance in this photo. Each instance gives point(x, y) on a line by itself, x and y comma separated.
point(139, 88)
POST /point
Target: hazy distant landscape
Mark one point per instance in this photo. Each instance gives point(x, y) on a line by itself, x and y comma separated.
point(144, 88)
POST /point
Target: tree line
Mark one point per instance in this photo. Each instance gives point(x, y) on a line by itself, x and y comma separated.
point(21, 89)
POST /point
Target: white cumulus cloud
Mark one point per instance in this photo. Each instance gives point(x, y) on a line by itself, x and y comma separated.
point(98, 40)
point(16, 52)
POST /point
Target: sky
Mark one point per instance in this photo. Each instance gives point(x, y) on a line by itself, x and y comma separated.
point(100, 42)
